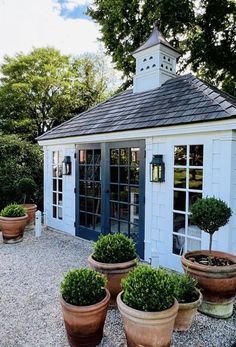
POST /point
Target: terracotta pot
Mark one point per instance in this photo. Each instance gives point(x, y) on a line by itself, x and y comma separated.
point(31, 209)
point(218, 283)
point(13, 228)
point(84, 324)
point(114, 273)
point(152, 329)
point(186, 313)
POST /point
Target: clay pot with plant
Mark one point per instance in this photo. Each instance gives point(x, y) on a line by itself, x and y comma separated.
point(148, 307)
point(189, 298)
point(114, 256)
point(214, 271)
point(13, 219)
point(26, 189)
point(84, 302)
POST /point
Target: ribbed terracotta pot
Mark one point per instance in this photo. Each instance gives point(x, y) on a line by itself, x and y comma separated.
point(114, 274)
point(152, 329)
point(218, 283)
point(13, 228)
point(186, 313)
point(84, 324)
point(31, 209)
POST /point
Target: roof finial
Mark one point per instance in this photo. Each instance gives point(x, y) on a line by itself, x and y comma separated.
point(156, 24)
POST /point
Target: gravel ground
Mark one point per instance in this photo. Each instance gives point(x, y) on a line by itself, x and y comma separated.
point(30, 315)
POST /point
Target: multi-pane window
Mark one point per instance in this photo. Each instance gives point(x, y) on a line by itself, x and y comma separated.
point(57, 184)
point(188, 186)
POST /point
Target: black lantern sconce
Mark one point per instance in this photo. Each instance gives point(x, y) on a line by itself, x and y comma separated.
point(66, 165)
point(157, 168)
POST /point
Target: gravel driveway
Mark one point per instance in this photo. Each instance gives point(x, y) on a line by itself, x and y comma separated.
point(30, 315)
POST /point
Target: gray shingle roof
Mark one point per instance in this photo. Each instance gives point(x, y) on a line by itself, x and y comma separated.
point(181, 100)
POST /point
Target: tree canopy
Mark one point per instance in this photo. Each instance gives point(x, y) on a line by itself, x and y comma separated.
point(205, 32)
point(44, 88)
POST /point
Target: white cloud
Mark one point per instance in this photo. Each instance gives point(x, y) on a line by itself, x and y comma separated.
point(26, 24)
point(72, 4)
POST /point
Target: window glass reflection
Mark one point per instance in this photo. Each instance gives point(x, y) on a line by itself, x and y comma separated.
point(180, 178)
point(180, 155)
point(196, 155)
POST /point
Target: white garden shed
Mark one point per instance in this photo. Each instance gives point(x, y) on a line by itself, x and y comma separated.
point(182, 124)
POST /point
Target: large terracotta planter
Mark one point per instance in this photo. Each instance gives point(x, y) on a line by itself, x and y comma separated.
point(218, 283)
point(186, 313)
point(31, 209)
point(152, 329)
point(84, 324)
point(13, 228)
point(115, 273)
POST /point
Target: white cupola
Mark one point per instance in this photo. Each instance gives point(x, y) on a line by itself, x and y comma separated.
point(155, 62)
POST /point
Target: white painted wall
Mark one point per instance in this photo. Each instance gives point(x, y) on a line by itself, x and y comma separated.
point(219, 181)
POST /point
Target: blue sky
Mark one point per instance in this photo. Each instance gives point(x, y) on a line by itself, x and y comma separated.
point(74, 11)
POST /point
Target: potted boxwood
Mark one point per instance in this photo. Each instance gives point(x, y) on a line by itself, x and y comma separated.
point(114, 256)
point(13, 219)
point(189, 298)
point(214, 271)
point(148, 307)
point(26, 189)
point(84, 302)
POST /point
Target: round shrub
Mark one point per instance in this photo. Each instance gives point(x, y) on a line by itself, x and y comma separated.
point(148, 289)
point(83, 287)
point(185, 288)
point(13, 210)
point(114, 248)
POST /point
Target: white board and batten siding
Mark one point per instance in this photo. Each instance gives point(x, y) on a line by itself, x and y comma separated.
point(219, 180)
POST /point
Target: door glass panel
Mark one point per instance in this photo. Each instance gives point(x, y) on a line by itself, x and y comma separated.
point(124, 191)
point(181, 155)
point(179, 200)
point(193, 197)
point(195, 179)
point(196, 155)
point(179, 223)
point(90, 189)
point(178, 244)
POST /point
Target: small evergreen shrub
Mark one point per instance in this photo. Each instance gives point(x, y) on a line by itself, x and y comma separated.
point(13, 210)
point(114, 248)
point(148, 289)
point(185, 288)
point(83, 287)
point(209, 214)
point(27, 188)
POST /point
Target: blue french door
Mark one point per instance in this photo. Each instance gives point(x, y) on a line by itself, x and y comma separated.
point(110, 190)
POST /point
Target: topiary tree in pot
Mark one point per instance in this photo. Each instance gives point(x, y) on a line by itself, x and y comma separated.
point(148, 307)
point(26, 189)
point(114, 255)
point(215, 271)
point(84, 302)
point(13, 219)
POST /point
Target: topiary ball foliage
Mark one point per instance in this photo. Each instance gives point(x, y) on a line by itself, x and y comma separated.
point(27, 187)
point(83, 287)
point(148, 289)
point(209, 214)
point(114, 248)
point(13, 210)
point(185, 288)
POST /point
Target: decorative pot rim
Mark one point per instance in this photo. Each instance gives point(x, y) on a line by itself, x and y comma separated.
point(88, 308)
point(192, 304)
point(209, 268)
point(148, 316)
point(14, 218)
point(28, 205)
point(112, 266)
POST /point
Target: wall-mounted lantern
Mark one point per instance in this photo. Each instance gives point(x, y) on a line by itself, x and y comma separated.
point(157, 168)
point(66, 165)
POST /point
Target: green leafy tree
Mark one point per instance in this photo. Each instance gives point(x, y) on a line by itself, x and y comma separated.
point(204, 31)
point(44, 88)
point(19, 159)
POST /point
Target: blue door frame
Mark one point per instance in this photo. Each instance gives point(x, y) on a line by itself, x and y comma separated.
point(87, 233)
